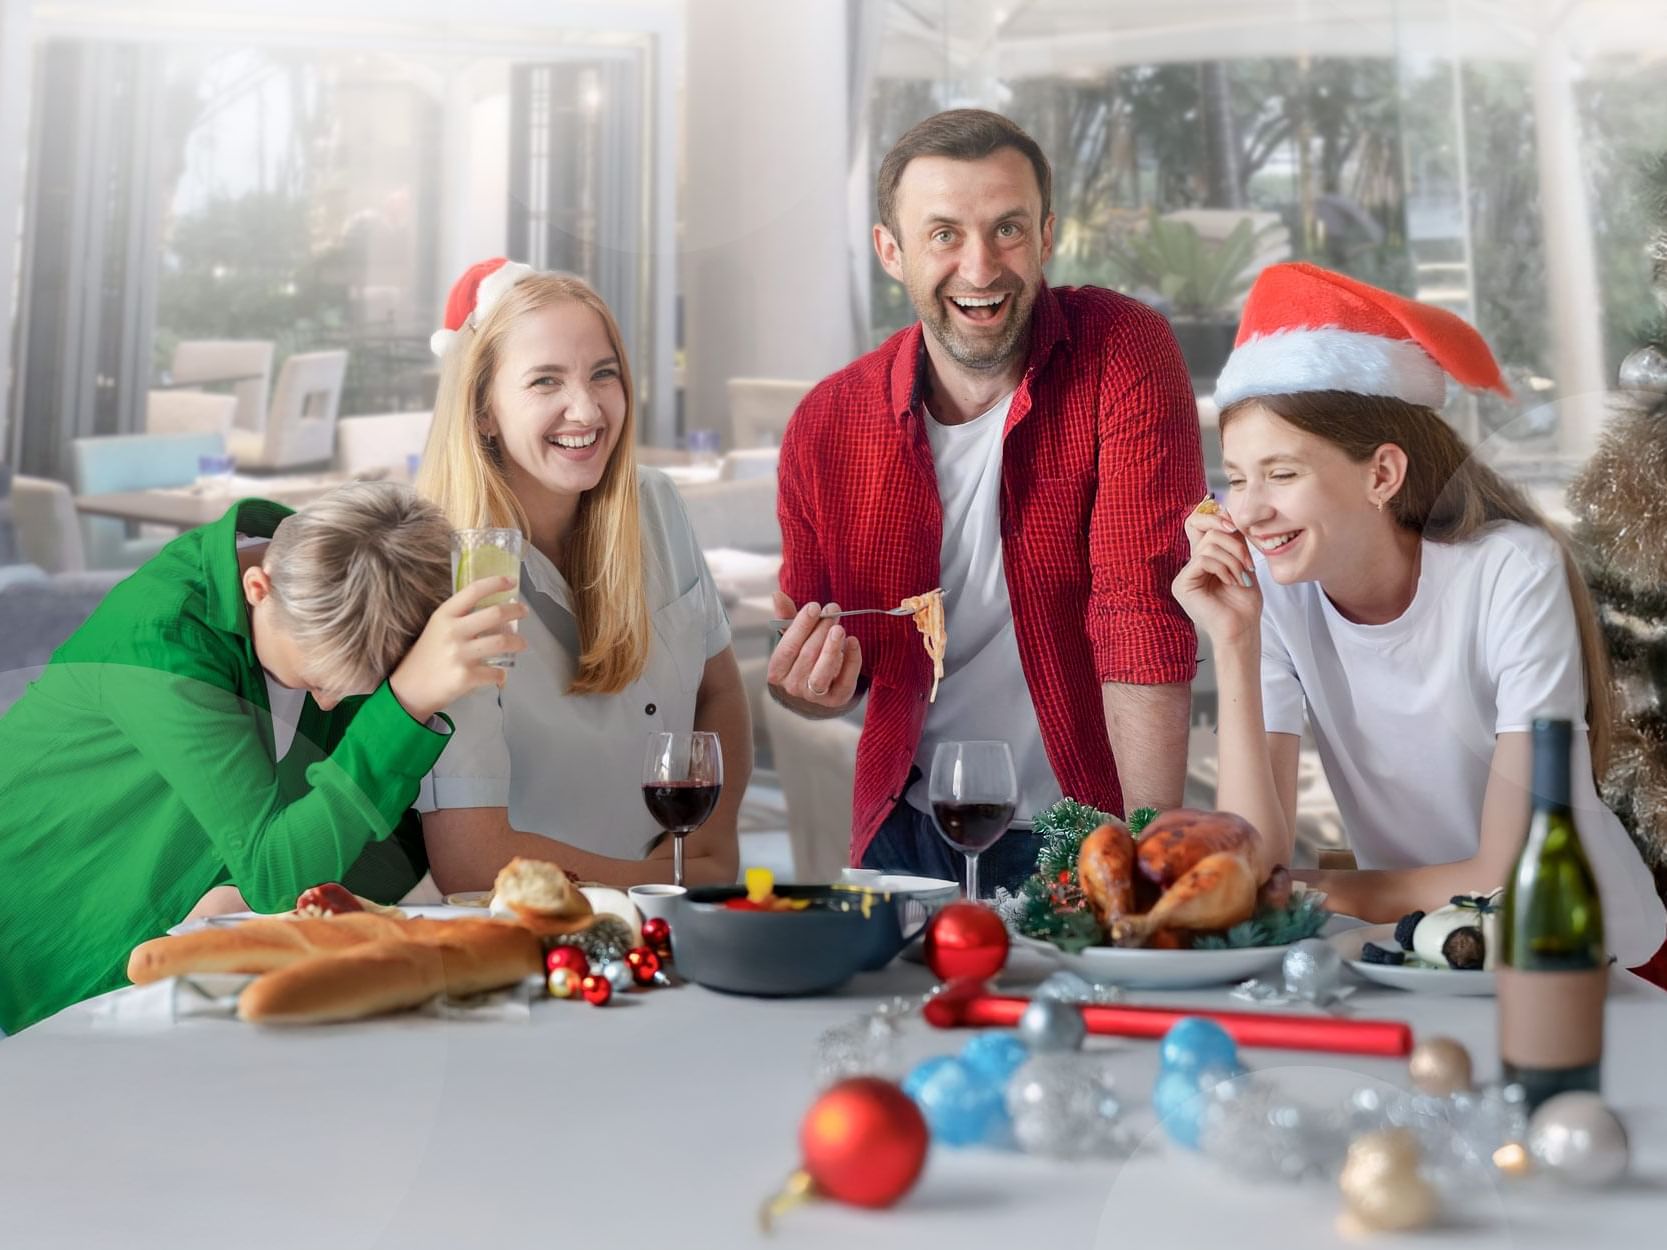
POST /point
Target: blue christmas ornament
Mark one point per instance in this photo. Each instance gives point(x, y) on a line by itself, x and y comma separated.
point(1179, 1098)
point(994, 1056)
point(962, 1107)
point(1195, 1044)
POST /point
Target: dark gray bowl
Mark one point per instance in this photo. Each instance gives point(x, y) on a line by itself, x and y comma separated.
point(785, 953)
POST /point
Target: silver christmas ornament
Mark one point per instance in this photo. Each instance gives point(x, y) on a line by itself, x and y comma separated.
point(1049, 1026)
point(1062, 1106)
point(1645, 370)
point(1313, 970)
point(864, 1047)
point(618, 973)
point(1577, 1138)
point(1250, 1127)
point(1069, 987)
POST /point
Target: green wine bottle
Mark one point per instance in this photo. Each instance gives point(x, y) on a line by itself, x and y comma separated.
point(1552, 971)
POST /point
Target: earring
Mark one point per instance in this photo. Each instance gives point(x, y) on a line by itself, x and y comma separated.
point(1380, 505)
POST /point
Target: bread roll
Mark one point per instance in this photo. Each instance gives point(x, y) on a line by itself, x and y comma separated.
point(392, 975)
point(254, 945)
point(541, 896)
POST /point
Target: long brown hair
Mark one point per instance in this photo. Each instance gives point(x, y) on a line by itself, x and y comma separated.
point(1448, 496)
point(463, 472)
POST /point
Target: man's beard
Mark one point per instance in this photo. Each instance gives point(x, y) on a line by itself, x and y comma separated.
point(982, 355)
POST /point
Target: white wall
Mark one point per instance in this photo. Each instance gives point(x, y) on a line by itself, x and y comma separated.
point(475, 191)
point(766, 280)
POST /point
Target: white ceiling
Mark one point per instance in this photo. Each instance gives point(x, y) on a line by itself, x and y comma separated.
point(1072, 38)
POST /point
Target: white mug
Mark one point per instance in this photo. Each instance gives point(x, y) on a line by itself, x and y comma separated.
point(656, 899)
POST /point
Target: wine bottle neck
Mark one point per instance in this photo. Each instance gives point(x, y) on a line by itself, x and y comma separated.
point(1551, 789)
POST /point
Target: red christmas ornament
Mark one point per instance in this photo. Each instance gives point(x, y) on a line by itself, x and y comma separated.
point(570, 957)
point(863, 1141)
point(657, 933)
point(966, 940)
point(644, 964)
point(596, 990)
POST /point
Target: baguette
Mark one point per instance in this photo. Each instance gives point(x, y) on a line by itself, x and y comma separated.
point(390, 976)
point(255, 945)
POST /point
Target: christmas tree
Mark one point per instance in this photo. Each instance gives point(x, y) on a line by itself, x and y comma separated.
point(1619, 500)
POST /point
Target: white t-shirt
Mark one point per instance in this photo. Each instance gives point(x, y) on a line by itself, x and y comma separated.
point(1406, 714)
point(983, 694)
point(286, 704)
point(570, 766)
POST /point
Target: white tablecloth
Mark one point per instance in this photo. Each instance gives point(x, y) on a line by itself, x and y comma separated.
point(660, 1122)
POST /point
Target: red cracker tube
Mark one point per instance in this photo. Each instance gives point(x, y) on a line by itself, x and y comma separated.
point(968, 1005)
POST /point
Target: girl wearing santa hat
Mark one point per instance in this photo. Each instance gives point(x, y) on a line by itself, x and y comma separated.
point(1367, 570)
point(534, 429)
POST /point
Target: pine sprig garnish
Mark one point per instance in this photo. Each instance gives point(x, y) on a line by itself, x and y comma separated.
point(1303, 917)
point(1052, 906)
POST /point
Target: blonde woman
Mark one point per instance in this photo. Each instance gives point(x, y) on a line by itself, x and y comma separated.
point(534, 430)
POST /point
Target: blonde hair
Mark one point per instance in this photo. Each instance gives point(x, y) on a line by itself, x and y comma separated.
point(355, 576)
point(1448, 496)
point(464, 474)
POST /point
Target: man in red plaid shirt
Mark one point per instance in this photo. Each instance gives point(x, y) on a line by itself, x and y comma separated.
point(1034, 452)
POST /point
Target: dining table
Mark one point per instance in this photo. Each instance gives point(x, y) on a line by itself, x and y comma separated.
point(665, 1118)
point(203, 502)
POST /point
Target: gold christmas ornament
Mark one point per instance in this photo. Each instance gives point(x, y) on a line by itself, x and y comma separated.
point(1382, 1189)
point(1439, 1067)
point(1512, 1159)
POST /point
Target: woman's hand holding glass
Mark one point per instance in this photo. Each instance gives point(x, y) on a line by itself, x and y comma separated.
point(452, 655)
point(1217, 587)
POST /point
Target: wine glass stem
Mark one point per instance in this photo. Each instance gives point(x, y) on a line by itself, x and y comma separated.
point(677, 858)
point(972, 878)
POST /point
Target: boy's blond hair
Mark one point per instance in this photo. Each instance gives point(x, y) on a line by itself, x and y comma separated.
point(355, 576)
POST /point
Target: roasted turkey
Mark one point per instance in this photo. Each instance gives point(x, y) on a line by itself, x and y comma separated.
point(1190, 872)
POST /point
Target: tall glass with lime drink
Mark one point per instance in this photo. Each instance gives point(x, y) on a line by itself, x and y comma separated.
point(482, 553)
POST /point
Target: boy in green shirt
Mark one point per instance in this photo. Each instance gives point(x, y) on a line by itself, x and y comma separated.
point(139, 771)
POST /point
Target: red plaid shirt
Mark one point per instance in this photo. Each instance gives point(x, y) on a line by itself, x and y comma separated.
point(1100, 465)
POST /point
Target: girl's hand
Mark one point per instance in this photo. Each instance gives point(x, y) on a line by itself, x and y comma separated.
point(1217, 587)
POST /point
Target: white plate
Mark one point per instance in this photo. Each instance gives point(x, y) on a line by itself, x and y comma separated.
point(1136, 968)
point(1420, 980)
point(933, 891)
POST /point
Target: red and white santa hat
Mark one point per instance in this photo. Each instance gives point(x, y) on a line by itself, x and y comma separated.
point(472, 296)
point(1309, 329)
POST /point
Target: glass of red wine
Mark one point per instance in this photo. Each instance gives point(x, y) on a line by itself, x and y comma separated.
point(682, 774)
point(973, 791)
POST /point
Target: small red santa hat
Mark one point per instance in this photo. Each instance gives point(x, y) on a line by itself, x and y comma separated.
point(473, 295)
point(1309, 329)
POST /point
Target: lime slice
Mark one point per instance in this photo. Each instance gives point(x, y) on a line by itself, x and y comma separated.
point(474, 563)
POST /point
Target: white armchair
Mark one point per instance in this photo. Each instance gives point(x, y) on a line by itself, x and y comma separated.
point(301, 425)
point(759, 409)
point(381, 441)
point(189, 412)
point(245, 363)
point(816, 763)
point(48, 529)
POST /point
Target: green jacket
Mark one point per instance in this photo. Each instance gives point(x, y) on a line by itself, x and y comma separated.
point(137, 772)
